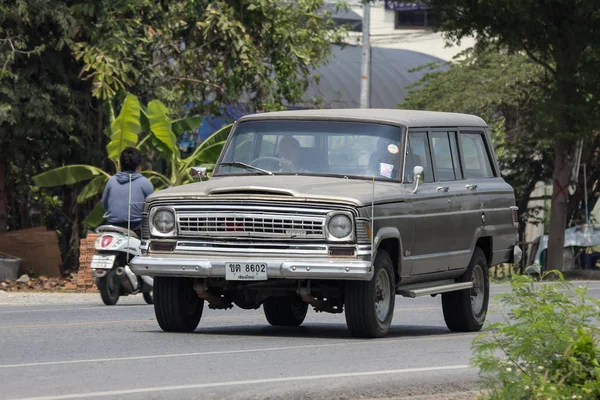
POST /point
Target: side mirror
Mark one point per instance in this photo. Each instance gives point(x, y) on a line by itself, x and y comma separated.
point(198, 172)
point(417, 173)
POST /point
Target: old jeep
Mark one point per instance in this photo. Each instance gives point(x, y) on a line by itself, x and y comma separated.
point(339, 210)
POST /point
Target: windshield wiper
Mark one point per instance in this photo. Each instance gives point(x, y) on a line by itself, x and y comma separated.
point(247, 166)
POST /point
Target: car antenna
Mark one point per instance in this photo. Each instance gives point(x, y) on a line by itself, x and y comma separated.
point(373, 223)
point(129, 215)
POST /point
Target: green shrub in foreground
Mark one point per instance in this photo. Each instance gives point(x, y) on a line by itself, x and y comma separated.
point(547, 347)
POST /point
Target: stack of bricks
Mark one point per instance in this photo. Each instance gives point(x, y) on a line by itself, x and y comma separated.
point(85, 279)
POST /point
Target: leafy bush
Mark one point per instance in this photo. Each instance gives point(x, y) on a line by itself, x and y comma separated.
point(547, 346)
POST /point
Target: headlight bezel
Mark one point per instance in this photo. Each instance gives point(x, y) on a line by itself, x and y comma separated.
point(156, 232)
point(350, 236)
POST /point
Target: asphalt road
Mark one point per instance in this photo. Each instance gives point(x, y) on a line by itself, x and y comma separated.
point(64, 351)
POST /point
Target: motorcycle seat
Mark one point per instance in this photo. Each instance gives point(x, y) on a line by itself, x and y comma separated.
point(116, 229)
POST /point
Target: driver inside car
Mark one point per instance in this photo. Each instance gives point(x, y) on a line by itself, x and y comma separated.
point(289, 155)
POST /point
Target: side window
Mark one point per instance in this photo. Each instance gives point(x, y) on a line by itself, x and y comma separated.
point(475, 156)
point(442, 156)
point(417, 153)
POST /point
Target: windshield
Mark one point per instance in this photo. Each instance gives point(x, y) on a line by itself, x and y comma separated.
point(313, 148)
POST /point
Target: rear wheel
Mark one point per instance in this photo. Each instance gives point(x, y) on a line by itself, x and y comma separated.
point(109, 288)
point(176, 304)
point(370, 305)
point(285, 311)
point(465, 310)
point(148, 298)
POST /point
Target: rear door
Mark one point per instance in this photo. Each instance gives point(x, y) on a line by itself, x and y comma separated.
point(492, 197)
point(462, 206)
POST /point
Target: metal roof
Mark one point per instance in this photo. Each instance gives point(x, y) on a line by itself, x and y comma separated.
point(408, 118)
point(391, 74)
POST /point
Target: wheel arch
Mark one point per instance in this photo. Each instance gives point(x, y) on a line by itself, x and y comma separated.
point(389, 240)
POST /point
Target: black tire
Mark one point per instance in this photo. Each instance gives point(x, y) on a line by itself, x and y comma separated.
point(110, 288)
point(465, 310)
point(148, 298)
point(285, 311)
point(368, 313)
point(176, 305)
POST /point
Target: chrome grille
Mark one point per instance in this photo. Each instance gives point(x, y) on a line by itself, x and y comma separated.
point(250, 225)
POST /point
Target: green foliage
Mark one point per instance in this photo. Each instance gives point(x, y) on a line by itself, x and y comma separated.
point(546, 348)
point(125, 129)
point(219, 50)
point(161, 127)
point(68, 175)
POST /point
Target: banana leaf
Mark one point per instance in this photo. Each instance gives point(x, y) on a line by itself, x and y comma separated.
point(93, 188)
point(125, 128)
point(95, 217)
point(68, 175)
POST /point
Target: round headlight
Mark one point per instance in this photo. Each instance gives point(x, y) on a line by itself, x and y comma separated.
point(340, 226)
point(164, 221)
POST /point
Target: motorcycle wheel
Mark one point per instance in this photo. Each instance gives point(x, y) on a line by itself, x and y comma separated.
point(148, 298)
point(109, 288)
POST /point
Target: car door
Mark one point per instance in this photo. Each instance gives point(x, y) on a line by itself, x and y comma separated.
point(477, 170)
point(430, 208)
point(449, 179)
point(494, 196)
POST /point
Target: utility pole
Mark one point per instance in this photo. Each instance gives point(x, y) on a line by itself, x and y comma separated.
point(365, 70)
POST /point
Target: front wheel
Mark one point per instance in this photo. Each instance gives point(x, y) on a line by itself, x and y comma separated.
point(109, 288)
point(176, 304)
point(465, 310)
point(370, 305)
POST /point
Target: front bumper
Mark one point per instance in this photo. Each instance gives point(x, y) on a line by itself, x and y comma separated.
point(277, 268)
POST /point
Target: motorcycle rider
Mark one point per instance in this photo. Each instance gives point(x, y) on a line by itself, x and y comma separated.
point(115, 198)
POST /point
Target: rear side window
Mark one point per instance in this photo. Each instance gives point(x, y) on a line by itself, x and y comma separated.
point(477, 163)
point(442, 156)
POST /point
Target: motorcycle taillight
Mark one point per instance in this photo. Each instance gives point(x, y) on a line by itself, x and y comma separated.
point(106, 240)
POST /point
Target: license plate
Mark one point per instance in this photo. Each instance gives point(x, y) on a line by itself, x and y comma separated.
point(252, 271)
point(102, 262)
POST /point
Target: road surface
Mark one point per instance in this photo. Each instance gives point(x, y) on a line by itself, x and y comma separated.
point(87, 350)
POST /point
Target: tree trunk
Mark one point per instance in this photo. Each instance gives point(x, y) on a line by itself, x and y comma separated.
point(558, 209)
point(3, 196)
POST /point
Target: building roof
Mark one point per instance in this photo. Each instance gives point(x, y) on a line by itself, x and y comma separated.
point(408, 118)
point(339, 83)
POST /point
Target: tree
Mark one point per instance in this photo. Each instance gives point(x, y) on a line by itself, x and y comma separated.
point(561, 37)
point(208, 52)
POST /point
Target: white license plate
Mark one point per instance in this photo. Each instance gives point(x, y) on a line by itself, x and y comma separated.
point(102, 262)
point(246, 271)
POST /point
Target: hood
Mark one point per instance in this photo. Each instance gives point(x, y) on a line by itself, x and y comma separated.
point(358, 192)
point(123, 177)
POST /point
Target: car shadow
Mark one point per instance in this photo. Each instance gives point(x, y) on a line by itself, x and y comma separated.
point(315, 331)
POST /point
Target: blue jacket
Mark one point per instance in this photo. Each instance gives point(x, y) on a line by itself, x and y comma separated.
point(115, 198)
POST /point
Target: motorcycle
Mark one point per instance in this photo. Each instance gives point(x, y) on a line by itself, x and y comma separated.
point(115, 247)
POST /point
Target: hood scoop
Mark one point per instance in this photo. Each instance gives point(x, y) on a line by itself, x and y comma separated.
point(250, 190)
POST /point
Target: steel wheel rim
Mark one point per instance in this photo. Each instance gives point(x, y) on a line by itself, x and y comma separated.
point(382, 295)
point(478, 290)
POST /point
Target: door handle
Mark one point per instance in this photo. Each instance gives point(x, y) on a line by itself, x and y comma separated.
point(471, 187)
point(443, 188)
